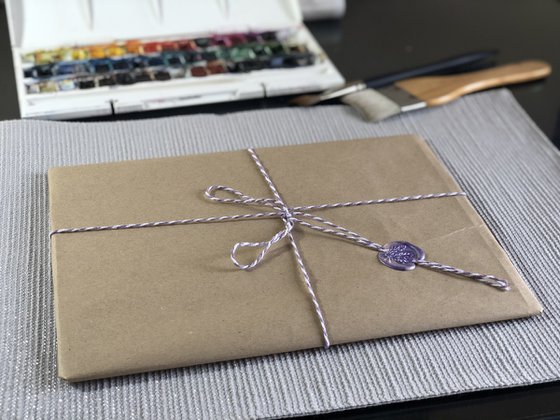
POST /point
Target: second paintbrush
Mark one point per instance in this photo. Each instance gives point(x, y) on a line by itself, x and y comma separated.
point(421, 92)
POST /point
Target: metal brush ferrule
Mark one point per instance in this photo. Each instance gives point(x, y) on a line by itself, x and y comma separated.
point(343, 91)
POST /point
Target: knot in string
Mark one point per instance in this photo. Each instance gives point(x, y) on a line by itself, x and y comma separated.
point(282, 212)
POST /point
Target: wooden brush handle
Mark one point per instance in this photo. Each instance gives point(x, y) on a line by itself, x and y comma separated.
point(439, 90)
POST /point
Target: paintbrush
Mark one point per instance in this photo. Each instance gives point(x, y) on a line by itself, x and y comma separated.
point(439, 67)
point(421, 92)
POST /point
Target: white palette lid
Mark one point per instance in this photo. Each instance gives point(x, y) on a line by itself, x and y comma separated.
point(37, 24)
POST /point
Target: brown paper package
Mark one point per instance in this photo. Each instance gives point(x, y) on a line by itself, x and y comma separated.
point(146, 299)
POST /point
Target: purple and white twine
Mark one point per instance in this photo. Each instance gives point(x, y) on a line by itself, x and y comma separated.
point(292, 216)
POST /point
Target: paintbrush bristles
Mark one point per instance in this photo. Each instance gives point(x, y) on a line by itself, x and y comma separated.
point(372, 105)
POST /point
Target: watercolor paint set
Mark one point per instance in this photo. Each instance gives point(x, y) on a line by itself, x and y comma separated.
point(126, 63)
point(78, 58)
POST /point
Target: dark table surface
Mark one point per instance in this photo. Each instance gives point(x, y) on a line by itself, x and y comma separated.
point(380, 36)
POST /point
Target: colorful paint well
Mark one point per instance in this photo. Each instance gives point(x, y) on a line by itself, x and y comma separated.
point(97, 51)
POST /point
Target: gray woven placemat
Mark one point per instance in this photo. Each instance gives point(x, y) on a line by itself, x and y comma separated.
point(498, 155)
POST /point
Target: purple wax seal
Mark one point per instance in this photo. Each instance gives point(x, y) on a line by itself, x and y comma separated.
point(401, 255)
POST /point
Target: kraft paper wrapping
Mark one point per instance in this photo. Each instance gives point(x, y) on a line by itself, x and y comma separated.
point(145, 299)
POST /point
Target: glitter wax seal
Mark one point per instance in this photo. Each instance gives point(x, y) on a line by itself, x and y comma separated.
point(401, 255)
